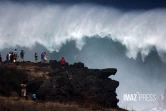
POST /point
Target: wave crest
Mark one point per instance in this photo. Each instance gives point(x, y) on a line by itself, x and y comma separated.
point(53, 25)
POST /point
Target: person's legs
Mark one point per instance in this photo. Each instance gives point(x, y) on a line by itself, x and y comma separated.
point(44, 60)
point(62, 66)
point(14, 60)
point(35, 60)
point(25, 92)
point(22, 92)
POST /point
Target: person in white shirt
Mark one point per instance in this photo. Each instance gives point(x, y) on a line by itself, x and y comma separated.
point(45, 57)
point(9, 56)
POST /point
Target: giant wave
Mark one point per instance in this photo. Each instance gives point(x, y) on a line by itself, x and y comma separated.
point(52, 26)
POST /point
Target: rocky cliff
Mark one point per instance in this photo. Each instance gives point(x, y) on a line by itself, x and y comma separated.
point(75, 83)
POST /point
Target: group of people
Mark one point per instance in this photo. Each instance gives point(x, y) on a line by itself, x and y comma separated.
point(44, 57)
point(12, 56)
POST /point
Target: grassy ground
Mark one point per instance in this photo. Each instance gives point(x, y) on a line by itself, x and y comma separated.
point(14, 104)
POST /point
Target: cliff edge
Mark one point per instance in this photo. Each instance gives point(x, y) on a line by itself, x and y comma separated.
point(75, 83)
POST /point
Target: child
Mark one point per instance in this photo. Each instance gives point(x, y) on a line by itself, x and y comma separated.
point(34, 97)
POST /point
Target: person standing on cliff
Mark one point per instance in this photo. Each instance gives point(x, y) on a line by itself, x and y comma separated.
point(62, 62)
point(36, 57)
point(14, 57)
point(45, 57)
point(9, 56)
point(42, 57)
point(22, 55)
point(15, 51)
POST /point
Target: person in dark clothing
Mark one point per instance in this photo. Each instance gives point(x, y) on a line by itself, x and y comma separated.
point(62, 62)
point(11, 57)
point(42, 56)
point(22, 55)
point(36, 57)
point(7, 58)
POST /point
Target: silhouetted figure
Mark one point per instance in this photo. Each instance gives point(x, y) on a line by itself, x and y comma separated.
point(22, 55)
point(11, 57)
point(62, 62)
point(42, 56)
point(7, 58)
point(36, 57)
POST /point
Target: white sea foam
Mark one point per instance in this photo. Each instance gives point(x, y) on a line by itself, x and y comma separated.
point(54, 25)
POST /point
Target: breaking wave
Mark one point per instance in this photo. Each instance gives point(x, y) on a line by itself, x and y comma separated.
point(53, 25)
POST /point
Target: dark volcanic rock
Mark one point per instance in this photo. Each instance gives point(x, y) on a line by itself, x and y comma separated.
point(105, 73)
point(77, 83)
point(34, 85)
point(77, 65)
